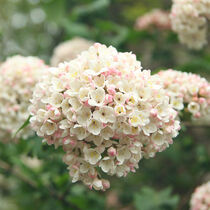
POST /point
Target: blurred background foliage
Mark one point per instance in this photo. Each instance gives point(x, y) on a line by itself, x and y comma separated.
point(32, 175)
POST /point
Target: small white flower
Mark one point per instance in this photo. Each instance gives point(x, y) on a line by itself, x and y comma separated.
point(56, 100)
point(99, 81)
point(70, 115)
point(85, 167)
point(57, 85)
point(144, 93)
point(143, 106)
point(149, 128)
point(97, 140)
point(68, 158)
point(136, 148)
point(83, 116)
point(94, 127)
point(84, 94)
point(65, 105)
point(134, 119)
point(53, 114)
point(119, 98)
point(162, 110)
point(139, 118)
point(177, 103)
point(92, 156)
point(48, 127)
point(126, 128)
point(64, 124)
point(107, 133)
point(79, 131)
point(41, 115)
point(97, 184)
point(104, 115)
point(158, 138)
point(125, 86)
point(97, 97)
point(106, 164)
point(75, 103)
point(132, 100)
point(123, 154)
point(74, 87)
point(120, 110)
point(74, 173)
point(193, 107)
point(121, 170)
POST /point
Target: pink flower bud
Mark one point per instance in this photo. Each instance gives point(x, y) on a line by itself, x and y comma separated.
point(111, 90)
point(106, 184)
point(16, 108)
point(72, 142)
point(202, 91)
point(195, 98)
point(201, 100)
point(153, 112)
point(48, 107)
point(86, 103)
point(93, 176)
point(57, 113)
point(112, 151)
point(197, 115)
point(170, 141)
point(108, 99)
point(90, 187)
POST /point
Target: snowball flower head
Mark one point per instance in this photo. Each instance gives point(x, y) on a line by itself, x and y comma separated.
point(189, 91)
point(17, 80)
point(69, 50)
point(201, 197)
point(158, 18)
point(189, 20)
point(105, 112)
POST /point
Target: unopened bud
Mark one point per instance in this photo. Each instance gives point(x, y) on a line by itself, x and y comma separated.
point(112, 151)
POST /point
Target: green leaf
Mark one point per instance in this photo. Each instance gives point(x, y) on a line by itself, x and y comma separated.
point(55, 10)
point(113, 34)
point(95, 6)
point(149, 199)
point(76, 29)
point(26, 123)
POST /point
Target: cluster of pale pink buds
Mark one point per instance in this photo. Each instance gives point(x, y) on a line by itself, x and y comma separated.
point(188, 92)
point(201, 197)
point(158, 18)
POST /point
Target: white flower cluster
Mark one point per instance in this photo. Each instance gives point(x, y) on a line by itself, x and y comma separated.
point(187, 90)
point(158, 18)
point(18, 76)
point(105, 112)
point(69, 50)
point(189, 19)
point(200, 199)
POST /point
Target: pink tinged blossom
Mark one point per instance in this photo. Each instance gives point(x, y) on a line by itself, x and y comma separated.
point(200, 197)
point(189, 20)
point(90, 117)
point(19, 77)
point(188, 91)
point(158, 18)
